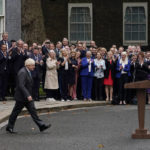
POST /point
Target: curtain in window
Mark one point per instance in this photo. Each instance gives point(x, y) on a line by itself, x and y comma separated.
point(80, 24)
point(135, 24)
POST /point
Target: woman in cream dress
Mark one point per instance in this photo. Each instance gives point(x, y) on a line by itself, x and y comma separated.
point(51, 78)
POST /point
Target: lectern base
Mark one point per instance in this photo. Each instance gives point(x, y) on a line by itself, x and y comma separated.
point(141, 134)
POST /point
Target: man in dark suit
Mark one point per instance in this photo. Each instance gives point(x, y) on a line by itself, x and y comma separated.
point(19, 55)
point(4, 60)
point(5, 41)
point(45, 52)
point(58, 48)
point(46, 47)
point(23, 97)
point(36, 73)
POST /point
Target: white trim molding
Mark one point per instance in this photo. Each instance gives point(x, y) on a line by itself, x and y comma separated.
point(135, 4)
point(77, 5)
point(2, 20)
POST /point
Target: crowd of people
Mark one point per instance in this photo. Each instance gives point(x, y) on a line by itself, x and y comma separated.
point(80, 71)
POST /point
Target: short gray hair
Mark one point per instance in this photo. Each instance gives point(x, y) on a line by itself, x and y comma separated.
point(29, 61)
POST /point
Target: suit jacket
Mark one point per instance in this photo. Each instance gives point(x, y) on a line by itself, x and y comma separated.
point(126, 69)
point(57, 51)
point(24, 85)
point(85, 69)
point(108, 68)
point(38, 67)
point(44, 50)
point(141, 72)
point(4, 61)
point(18, 60)
point(2, 42)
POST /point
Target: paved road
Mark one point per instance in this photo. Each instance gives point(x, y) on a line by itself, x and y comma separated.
point(104, 127)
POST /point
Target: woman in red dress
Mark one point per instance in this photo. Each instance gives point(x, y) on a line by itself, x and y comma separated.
point(109, 76)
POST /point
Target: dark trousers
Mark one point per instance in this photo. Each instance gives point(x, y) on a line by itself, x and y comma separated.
point(11, 84)
point(3, 85)
point(122, 90)
point(115, 87)
point(79, 88)
point(17, 109)
point(43, 79)
point(64, 84)
point(36, 86)
point(51, 93)
point(87, 86)
point(98, 83)
point(59, 92)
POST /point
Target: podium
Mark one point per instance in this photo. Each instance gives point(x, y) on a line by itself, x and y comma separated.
point(140, 86)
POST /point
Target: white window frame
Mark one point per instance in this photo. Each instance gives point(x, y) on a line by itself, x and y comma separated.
point(70, 6)
point(3, 19)
point(135, 4)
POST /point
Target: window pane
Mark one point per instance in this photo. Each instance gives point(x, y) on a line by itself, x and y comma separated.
point(73, 18)
point(87, 18)
point(135, 24)
point(87, 36)
point(128, 10)
point(127, 36)
point(135, 36)
point(142, 36)
point(80, 25)
point(141, 10)
point(135, 27)
point(142, 27)
point(80, 18)
point(1, 24)
point(80, 36)
point(134, 9)
point(73, 36)
point(86, 10)
point(127, 27)
point(142, 18)
point(1, 7)
point(87, 27)
point(128, 18)
point(135, 18)
point(73, 27)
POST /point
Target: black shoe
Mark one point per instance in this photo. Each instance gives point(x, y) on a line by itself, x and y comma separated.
point(10, 130)
point(1, 99)
point(44, 127)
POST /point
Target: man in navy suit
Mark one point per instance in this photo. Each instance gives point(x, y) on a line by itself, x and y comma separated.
point(4, 60)
point(5, 41)
point(36, 73)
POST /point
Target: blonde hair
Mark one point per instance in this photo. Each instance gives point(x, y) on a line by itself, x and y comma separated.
point(110, 52)
point(29, 62)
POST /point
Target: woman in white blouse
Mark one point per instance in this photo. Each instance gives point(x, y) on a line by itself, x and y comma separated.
point(99, 76)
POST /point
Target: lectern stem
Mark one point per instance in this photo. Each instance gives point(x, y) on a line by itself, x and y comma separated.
point(141, 96)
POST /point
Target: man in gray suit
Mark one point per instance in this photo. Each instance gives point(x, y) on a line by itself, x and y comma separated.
point(23, 97)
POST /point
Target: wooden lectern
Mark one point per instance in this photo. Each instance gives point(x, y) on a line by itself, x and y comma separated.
point(140, 87)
